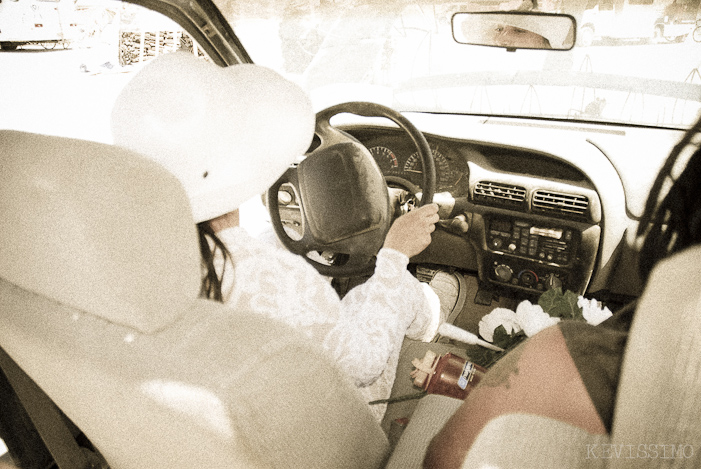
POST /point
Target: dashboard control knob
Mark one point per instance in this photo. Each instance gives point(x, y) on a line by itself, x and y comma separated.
point(528, 278)
point(497, 243)
point(552, 281)
point(512, 247)
point(503, 272)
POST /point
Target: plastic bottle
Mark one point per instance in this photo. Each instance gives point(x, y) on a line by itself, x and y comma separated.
point(449, 374)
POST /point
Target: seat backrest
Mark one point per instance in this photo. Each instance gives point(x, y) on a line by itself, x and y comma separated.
point(657, 419)
point(99, 278)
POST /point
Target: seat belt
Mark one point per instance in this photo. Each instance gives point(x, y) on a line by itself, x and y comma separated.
point(43, 414)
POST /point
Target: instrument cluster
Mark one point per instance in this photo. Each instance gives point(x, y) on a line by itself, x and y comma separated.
point(397, 157)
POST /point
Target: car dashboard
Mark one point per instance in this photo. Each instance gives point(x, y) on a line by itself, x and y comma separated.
point(526, 204)
point(523, 220)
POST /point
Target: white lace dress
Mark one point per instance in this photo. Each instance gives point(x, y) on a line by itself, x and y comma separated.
point(363, 332)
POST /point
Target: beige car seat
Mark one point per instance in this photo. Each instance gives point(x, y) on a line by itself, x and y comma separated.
point(99, 284)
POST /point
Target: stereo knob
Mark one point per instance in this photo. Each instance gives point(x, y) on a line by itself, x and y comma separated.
point(503, 272)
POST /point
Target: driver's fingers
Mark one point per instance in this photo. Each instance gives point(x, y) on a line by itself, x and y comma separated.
point(429, 222)
point(431, 208)
point(427, 210)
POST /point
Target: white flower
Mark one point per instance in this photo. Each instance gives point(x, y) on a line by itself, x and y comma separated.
point(592, 311)
point(533, 319)
point(498, 317)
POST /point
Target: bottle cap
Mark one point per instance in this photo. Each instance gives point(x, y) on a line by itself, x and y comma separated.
point(424, 369)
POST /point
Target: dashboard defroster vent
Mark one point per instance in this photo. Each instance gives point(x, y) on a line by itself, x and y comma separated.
point(499, 193)
point(565, 204)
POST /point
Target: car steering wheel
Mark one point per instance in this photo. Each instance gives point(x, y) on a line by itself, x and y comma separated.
point(341, 195)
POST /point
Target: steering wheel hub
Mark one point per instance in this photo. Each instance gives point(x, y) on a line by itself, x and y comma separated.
point(343, 194)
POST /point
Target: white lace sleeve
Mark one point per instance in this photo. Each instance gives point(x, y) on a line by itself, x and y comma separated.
point(375, 318)
point(363, 332)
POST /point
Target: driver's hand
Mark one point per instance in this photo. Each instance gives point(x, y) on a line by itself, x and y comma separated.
point(411, 233)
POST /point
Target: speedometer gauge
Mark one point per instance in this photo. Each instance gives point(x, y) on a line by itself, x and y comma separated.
point(386, 159)
point(414, 169)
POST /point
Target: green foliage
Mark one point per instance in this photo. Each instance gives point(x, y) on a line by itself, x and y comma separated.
point(561, 305)
point(503, 339)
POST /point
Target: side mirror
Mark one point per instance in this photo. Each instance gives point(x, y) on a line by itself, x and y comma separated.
point(515, 30)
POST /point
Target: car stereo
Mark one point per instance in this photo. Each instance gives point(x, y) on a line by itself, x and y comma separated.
point(529, 255)
point(544, 243)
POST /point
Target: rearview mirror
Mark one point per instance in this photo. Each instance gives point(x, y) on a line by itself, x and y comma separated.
point(515, 30)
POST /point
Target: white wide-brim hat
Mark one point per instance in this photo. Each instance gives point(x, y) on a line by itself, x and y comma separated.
point(226, 133)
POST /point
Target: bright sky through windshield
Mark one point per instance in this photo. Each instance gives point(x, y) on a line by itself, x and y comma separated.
point(404, 55)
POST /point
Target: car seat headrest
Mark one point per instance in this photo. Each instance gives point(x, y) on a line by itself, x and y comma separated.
point(96, 227)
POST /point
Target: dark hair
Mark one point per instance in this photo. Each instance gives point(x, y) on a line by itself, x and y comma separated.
point(674, 223)
point(209, 245)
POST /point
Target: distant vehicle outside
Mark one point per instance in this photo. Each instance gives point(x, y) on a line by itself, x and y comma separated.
point(44, 22)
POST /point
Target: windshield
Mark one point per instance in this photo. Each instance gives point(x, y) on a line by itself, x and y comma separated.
point(635, 61)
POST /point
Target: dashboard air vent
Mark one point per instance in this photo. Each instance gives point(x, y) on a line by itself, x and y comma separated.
point(565, 204)
point(499, 193)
